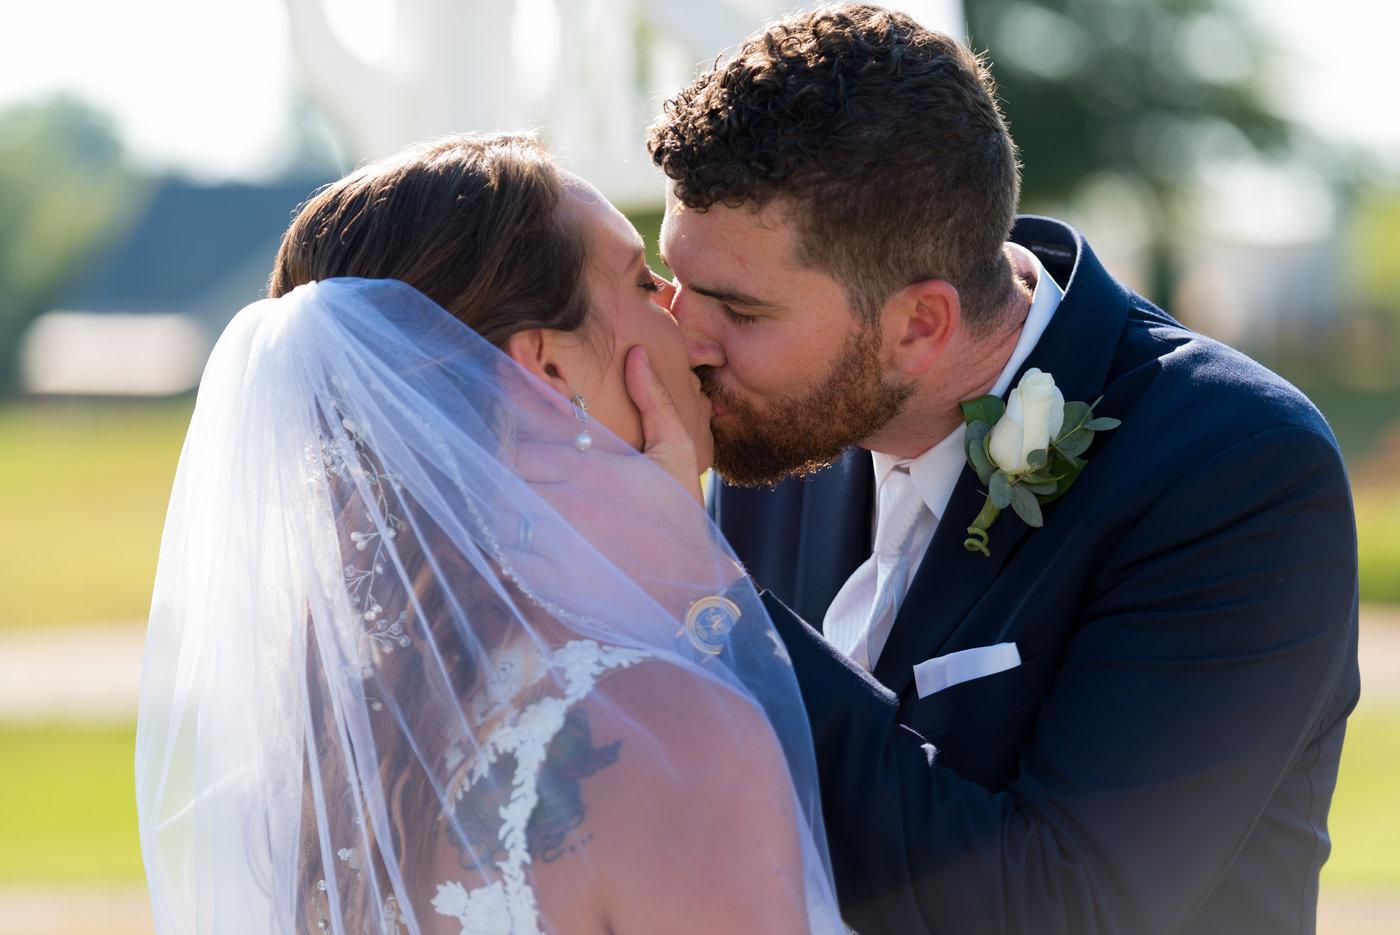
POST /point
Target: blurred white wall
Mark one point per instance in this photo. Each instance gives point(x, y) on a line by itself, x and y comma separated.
point(589, 74)
point(88, 354)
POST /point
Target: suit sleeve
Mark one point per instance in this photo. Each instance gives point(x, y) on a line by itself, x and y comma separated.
point(1218, 632)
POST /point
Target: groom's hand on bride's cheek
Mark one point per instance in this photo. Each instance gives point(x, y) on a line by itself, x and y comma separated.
point(664, 437)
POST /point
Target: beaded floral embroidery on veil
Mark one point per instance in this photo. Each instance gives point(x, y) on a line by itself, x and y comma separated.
point(351, 464)
point(508, 904)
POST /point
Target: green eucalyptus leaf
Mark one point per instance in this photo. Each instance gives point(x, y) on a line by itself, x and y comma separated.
point(1076, 414)
point(986, 409)
point(1041, 488)
point(1000, 490)
point(976, 444)
point(1102, 424)
point(1072, 468)
point(1026, 506)
point(1038, 459)
point(1075, 443)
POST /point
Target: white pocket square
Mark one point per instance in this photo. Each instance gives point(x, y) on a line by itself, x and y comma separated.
point(942, 672)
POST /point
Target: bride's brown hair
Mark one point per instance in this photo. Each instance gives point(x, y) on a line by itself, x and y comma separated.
point(472, 222)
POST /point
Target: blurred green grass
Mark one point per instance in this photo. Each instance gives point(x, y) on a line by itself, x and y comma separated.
point(1365, 824)
point(69, 808)
point(69, 812)
point(1378, 541)
point(83, 491)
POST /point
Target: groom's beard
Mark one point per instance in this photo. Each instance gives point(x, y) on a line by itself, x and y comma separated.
point(792, 436)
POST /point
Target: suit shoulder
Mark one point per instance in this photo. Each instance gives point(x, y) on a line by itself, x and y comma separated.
point(1202, 384)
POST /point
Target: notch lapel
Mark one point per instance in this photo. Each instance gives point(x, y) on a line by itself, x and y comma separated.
point(1077, 350)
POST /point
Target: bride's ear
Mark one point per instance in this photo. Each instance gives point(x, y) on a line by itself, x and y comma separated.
point(538, 351)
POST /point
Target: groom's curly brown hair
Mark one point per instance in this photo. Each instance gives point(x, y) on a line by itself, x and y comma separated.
point(884, 140)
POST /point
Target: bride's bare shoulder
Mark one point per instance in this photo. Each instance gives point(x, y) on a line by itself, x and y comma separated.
point(684, 712)
point(701, 803)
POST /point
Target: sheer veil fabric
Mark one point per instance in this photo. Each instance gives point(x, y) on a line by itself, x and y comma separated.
point(389, 586)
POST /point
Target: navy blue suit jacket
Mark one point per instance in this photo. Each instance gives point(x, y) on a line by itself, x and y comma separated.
point(1164, 757)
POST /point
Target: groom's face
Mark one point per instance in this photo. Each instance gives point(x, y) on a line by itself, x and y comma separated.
point(794, 374)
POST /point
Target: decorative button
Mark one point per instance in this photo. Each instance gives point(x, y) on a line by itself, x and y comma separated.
point(709, 621)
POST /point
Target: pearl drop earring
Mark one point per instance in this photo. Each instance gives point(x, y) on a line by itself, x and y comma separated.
point(582, 441)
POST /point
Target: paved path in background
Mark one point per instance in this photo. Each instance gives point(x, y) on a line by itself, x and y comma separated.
point(63, 910)
point(91, 673)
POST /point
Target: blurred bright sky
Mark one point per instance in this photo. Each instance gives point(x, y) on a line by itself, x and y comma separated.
point(203, 86)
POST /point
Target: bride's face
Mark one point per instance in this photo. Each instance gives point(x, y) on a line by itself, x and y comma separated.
point(629, 305)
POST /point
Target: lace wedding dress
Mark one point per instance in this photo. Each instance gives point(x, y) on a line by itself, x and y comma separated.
point(521, 740)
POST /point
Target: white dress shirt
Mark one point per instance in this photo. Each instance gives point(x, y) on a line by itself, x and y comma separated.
point(912, 494)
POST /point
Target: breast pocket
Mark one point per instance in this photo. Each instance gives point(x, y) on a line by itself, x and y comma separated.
point(982, 698)
point(979, 728)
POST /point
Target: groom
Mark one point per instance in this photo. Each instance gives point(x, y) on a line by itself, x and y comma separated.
point(1127, 719)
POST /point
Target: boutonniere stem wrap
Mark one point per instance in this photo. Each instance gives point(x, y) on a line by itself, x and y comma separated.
point(1027, 451)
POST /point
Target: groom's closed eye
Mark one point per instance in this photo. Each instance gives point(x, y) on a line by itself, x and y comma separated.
point(729, 298)
point(737, 317)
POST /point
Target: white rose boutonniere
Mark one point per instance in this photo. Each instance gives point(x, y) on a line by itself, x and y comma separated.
point(1026, 450)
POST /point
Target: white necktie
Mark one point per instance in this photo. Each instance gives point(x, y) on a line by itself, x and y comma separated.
point(898, 510)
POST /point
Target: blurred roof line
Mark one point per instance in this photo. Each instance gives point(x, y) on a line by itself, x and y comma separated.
point(191, 248)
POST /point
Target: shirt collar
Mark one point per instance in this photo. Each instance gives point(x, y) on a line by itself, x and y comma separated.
point(935, 473)
point(1044, 301)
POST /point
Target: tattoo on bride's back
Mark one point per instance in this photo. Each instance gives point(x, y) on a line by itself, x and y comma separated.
point(571, 758)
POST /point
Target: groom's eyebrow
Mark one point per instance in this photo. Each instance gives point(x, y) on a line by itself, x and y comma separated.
point(734, 297)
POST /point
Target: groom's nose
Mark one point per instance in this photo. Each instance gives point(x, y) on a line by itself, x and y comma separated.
point(691, 314)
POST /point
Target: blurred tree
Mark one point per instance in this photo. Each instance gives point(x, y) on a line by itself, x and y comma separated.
point(1142, 90)
point(64, 189)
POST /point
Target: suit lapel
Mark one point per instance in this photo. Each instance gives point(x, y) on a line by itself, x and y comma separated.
point(947, 584)
point(1077, 350)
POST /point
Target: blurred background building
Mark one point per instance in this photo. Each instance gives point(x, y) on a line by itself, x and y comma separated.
point(1237, 161)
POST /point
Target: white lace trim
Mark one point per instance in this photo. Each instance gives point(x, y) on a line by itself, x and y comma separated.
point(508, 904)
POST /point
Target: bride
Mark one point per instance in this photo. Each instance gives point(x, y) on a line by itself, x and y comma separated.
point(433, 647)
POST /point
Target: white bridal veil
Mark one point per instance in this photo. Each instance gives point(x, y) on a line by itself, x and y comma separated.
point(389, 581)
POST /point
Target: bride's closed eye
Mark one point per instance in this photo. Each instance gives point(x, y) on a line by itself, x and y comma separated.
point(650, 281)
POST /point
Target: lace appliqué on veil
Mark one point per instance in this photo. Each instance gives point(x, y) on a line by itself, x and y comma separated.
point(508, 903)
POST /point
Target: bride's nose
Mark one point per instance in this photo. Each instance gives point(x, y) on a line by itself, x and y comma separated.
point(666, 295)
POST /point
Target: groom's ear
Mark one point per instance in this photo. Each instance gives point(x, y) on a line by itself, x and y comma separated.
point(537, 350)
point(921, 319)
